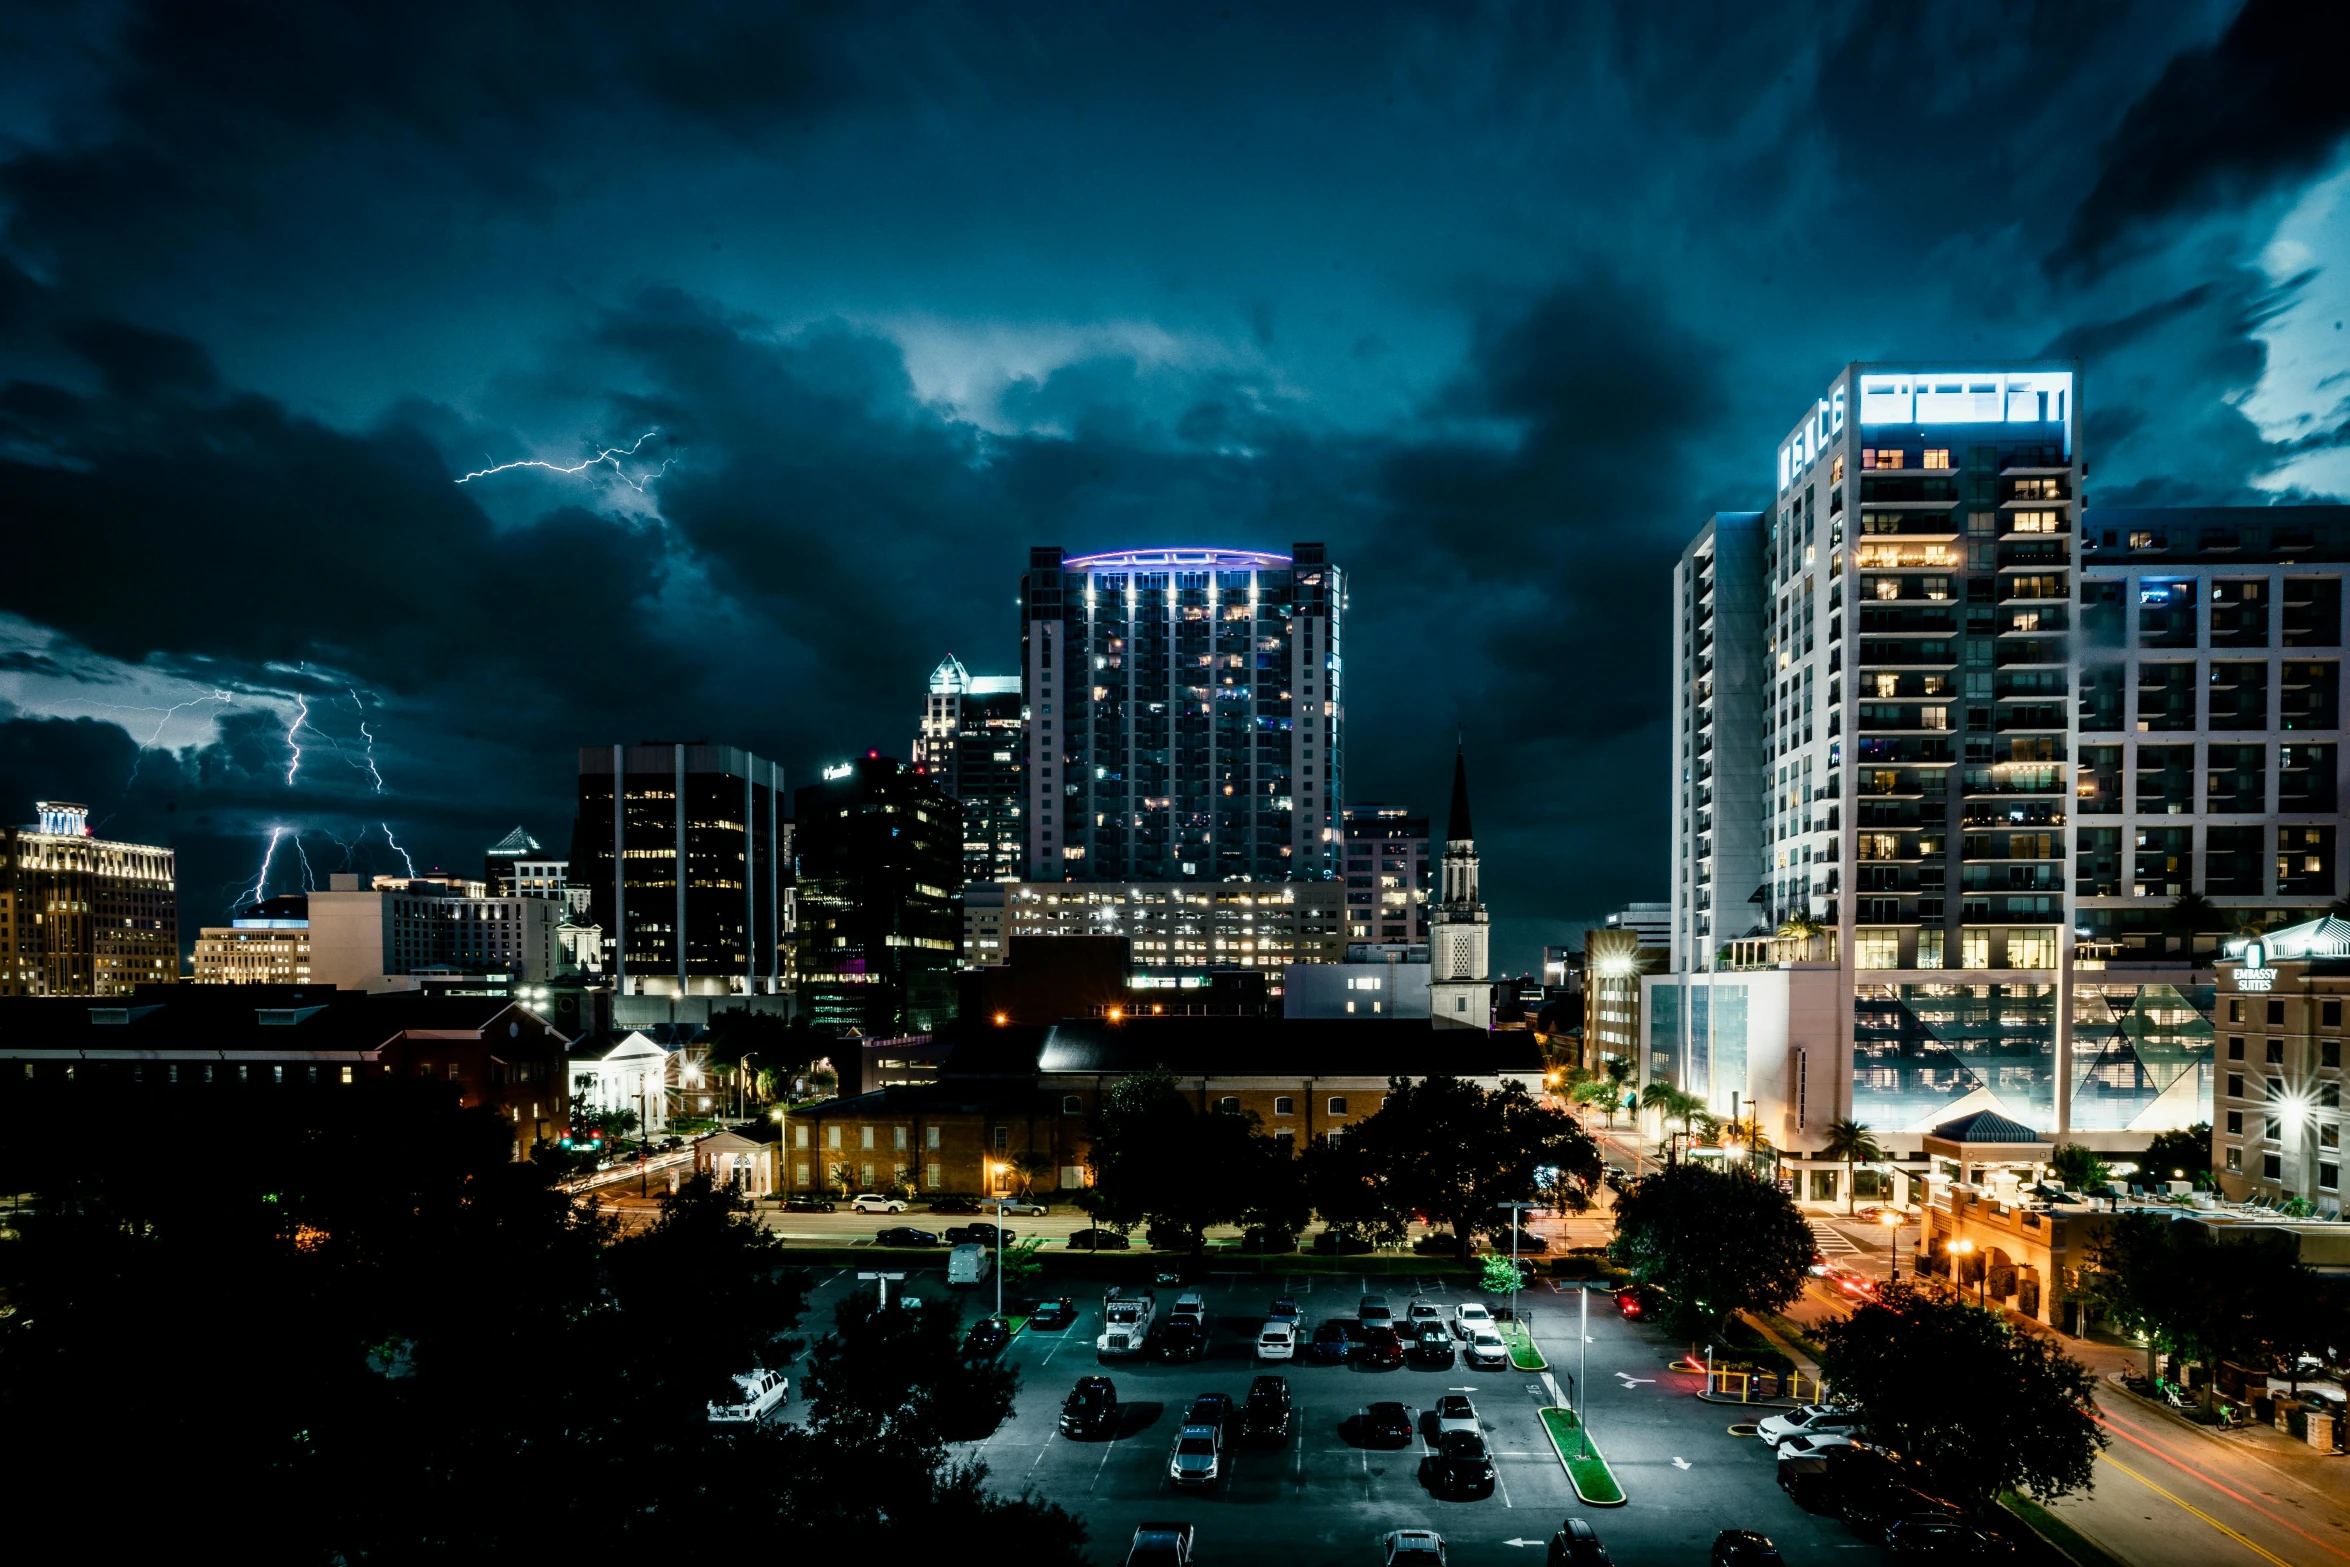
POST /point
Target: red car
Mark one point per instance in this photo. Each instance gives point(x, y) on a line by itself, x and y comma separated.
point(1636, 1300)
point(1380, 1347)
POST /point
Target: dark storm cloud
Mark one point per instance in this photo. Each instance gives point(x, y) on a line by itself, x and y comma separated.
point(2261, 106)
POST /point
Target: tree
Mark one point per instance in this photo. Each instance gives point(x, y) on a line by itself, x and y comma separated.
point(1454, 1150)
point(2079, 1168)
point(1716, 1242)
point(1346, 1184)
point(1031, 1166)
point(777, 1047)
point(1849, 1143)
point(894, 1373)
point(2197, 1293)
point(1976, 1406)
point(2181, 1156)
point(1657, 1096)
point(1157, 1160)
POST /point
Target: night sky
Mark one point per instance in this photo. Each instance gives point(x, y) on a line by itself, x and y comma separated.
point(1499, 302)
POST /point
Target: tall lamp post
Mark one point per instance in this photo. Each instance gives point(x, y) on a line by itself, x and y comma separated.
point(998, 1202)
point(1892, 1244)
point(1961, 1249)
point(1517, 1212)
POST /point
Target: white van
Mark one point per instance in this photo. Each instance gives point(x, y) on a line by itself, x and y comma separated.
point(1277, 1340)
point(970, 1263)
point(761, 1392)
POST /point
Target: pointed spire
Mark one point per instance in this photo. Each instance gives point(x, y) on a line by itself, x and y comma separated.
point(1458, 830)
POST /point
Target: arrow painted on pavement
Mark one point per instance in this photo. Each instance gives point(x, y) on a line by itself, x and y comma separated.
point(1521, 1542)
point(1630, 1380)
point(1680, 1463)
point(1460, 1390)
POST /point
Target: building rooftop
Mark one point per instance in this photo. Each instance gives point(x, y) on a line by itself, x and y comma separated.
point(1248, 1047)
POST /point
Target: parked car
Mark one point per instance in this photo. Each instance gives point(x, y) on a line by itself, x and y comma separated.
point(1529, 1243)
point(1191, 1304)
point(1334, 1341)
point(1197, 1457)
point(1412, 1548)
point(904, 1235)
point(1485, 1350)
point(1380, 1347)
point(1374, 1312)
point(1806, 1444)
point(956, 1205)
point(1424, 1311)
point(1636, 1300)
point(1050, 1316)
point(978, 1235)
point(761, 1393)
point(1027, 1207)
point(1284, 1309)
point(1437, 1243)
point(1266, 1415)
point(1460, 1465)
point(1160, 1545)
point(1340, 1243)
point(1091, 1409)
point(1468, 1317)
point(809, 1205)
point(1454, 1412)
point(1210, 1409)
point(876, 1202)
point(1432, 1346)
point(1277, 1340)
point(988, 1336)
point(1387, 1425)
point(1182, 1339)
point(1809, 1417)
point(1744, 1548)
point(1576, 1544)
point(1934, 1537)
point(1098, 1240)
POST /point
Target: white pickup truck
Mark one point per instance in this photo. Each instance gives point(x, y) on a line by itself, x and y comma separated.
point(1126, 1321)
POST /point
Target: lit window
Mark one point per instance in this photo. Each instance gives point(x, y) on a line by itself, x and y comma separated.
point(1937, 457)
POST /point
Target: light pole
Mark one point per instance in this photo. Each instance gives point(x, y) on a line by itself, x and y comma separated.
point(883, 1279)
point(1892, 1244)
point(999, 1203)
point(1517, 1212)
point(1961, 1249)
point(1582, 1337)
point(783, 1151)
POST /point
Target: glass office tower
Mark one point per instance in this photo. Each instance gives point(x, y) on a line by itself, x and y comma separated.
point(1186, 714)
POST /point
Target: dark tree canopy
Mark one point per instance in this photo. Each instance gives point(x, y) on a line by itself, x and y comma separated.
point(2207, 1294)
point(377, 1338)
point(2180, 1156)
point(1455, 1151)
point(900, 1374)
point(1715, 1241)
point(1978, 1407)
point(1159, 1159)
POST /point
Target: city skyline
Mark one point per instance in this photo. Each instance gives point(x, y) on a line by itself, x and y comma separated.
point(410, 480)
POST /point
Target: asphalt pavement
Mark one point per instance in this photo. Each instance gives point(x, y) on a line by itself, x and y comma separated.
point(1324, 1497)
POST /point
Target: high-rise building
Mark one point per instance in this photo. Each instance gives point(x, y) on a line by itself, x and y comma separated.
point(268, 944)
point(81, 915)
point(688, 879)
point(2004, 737)
point(880, 856)
point(518, 866)
point(1186, 714)
point(1169, 924)
point(1460, 994)
point(974, 746)
point(1717, 737)
point(1386, 875)
point(390, 935)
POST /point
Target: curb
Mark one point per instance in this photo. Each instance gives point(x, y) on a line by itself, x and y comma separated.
point(1728, 1402)
point(1573, 1479)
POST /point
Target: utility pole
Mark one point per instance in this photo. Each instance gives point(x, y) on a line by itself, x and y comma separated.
point(999, 1203)
point(1517, 1212)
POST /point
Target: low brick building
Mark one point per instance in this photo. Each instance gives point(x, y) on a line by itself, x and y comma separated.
point(1008, 1092)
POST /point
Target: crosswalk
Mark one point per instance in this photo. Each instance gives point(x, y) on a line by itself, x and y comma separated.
point(1831, 1241)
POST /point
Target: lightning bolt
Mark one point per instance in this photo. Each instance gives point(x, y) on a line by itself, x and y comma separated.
point(609, 457)
point(370, 738)
point(309, 882)
point(160, 724)
point(261, 879)
point(395, 843)
point(349, 849)
point(301, 717)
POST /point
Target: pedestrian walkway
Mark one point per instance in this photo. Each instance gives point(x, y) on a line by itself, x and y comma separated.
point(1832, 1242)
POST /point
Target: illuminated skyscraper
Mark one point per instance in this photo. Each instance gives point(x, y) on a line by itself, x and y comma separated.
point(973, 746)
point(84, 916)
point(1186, 714)
point(1717, 738)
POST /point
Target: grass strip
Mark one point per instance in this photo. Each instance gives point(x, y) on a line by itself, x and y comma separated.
point(1523, 1354)
point(1587, 1470)
point(2067, 1541)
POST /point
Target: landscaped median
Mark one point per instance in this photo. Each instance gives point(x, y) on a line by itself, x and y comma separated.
point(1593, 1480)
point(1523, 1354)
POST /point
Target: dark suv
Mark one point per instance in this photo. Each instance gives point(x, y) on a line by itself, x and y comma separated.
point(1091, 1408)
point(1265, 1417)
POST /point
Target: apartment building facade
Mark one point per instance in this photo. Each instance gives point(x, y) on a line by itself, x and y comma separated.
point(1186, 715)
point(1171, 924)
point(1387, 879)
point(973, 744)
point(1717, 737)
point(82, 915)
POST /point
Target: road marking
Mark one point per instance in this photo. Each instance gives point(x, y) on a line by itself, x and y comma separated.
point(1633, 1381)
point(1111, 1442)
point(1831, 1241)
point(2222, 1489)
point(2197, 1511)
point(1040, 1452)
point(1524, 1542)
point(1680, 1463)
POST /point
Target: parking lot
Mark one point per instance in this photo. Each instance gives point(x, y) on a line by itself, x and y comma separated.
point(1323, 1497)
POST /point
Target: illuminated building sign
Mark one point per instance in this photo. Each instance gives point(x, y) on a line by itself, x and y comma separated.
point(832, 774)
point(2255, 974)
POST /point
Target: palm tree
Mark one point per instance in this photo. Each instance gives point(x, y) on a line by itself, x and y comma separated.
point(1658, 1096)
point(1687, 1109)
point(1848, 1142)
point(1031, 1167)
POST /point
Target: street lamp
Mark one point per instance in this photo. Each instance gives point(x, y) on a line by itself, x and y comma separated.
point(1960, 1248)
point(999, 1202)
point(1892, 1244)
point(1517, 1212)
point(783, 1151)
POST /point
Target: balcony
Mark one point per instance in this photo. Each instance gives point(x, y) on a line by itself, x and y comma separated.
point(1907, 556)
point(1903, 619)
point(1938, 524)
point(1909, 655)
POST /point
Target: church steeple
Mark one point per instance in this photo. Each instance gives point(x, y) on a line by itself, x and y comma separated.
point(1458, 829)
point(1460, 995)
